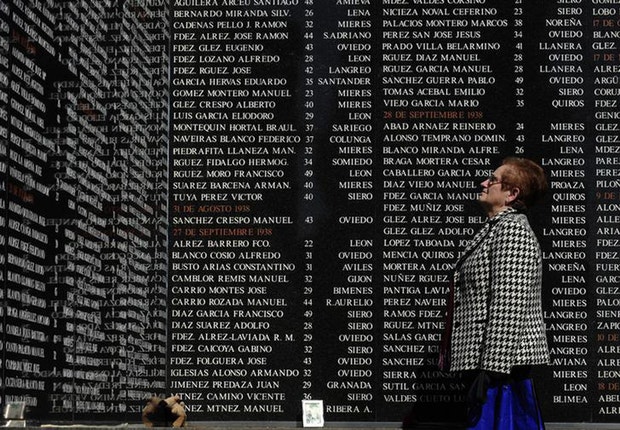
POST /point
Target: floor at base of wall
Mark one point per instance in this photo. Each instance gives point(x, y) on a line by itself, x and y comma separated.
point(296, 426)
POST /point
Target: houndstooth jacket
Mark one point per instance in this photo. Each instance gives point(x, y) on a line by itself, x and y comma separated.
point(498, 320)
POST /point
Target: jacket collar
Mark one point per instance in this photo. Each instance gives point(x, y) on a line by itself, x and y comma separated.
point(482, 233)
point(502, 214)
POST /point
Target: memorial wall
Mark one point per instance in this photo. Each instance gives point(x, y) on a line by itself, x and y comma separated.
point(253, 202)
point(83, 155)
point(325, 162)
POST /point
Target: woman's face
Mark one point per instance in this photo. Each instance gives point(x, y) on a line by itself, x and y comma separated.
point(492, 198)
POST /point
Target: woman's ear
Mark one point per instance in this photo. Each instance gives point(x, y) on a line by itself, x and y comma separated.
point(512, 196)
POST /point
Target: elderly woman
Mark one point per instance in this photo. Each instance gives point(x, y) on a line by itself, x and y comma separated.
point(495, 329)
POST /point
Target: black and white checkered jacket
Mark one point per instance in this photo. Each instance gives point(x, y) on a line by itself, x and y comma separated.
point(498, 320)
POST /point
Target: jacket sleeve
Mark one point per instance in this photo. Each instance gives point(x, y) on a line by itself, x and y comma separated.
point(515, 260)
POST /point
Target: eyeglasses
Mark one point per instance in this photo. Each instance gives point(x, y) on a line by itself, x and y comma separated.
point(492, 180)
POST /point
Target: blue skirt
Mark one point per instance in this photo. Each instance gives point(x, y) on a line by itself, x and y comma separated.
point(509, 406)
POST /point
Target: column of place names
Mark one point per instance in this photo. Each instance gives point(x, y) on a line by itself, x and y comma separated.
point(233, 261)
